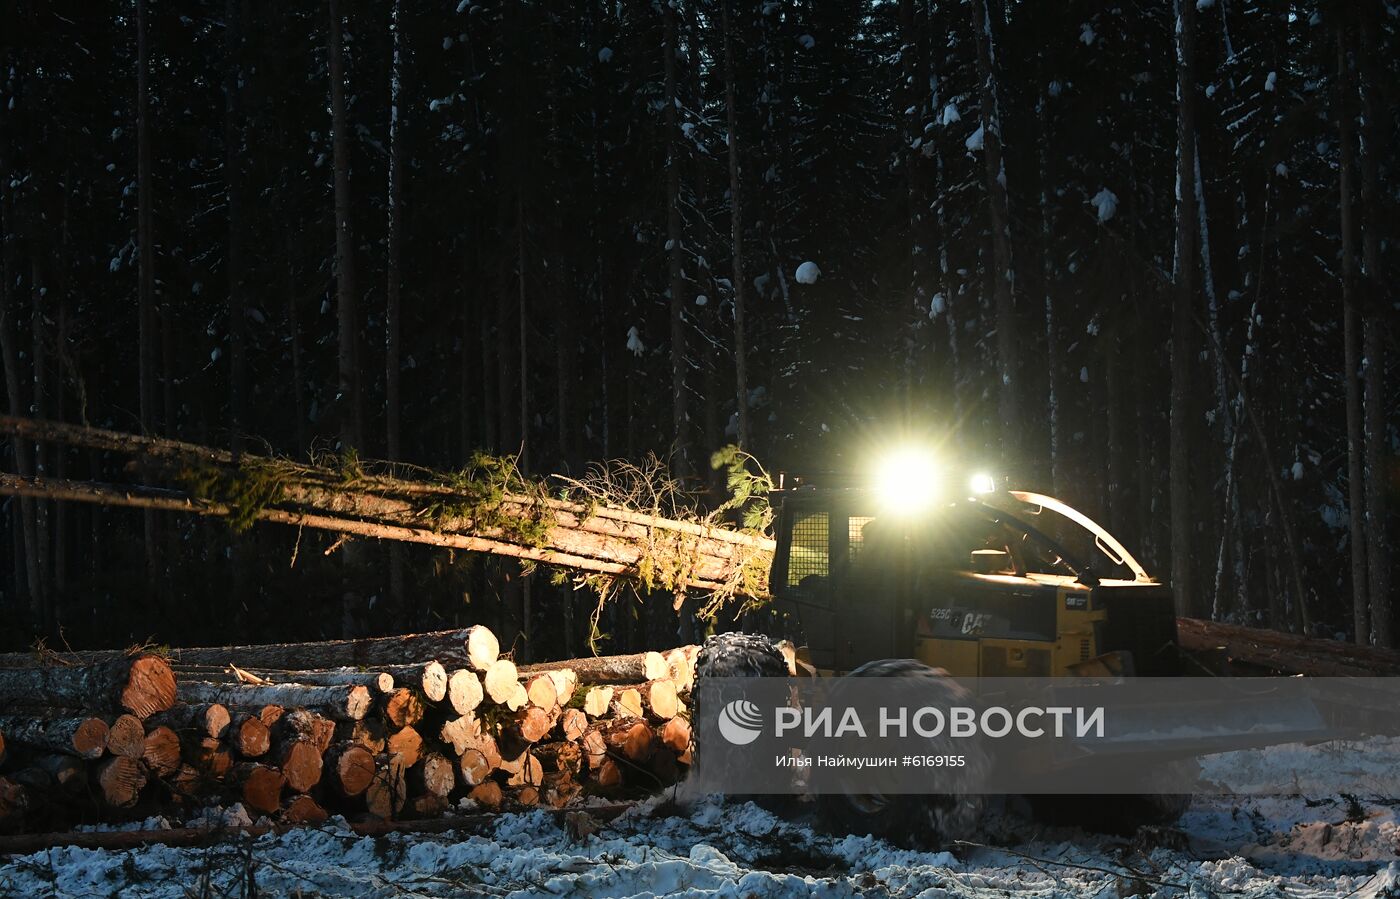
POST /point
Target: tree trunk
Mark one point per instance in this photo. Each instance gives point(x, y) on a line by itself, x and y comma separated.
point(736, 216)
point(14, 392)
point(347, 297)
point(680, 363)
point(999, 220)
point(145, 241)
point(233, 179)
point(1373, 295)
point(1351, 358)
point(393, 315)
point(1183, 297)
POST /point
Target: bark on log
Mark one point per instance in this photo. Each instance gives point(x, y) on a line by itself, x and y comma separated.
point(85, 738)
point(69, 774)
point(161, 751)
point(121, 780)
point(341, 703)
point(304, 724)
point(141, 685)
point(376, 682)
point(204, 719)
point(631, 740)
point(429, 678)
point(1287, 653)
point(126, 737)
point(371, 652)
point(562, 756)
point(622, 669)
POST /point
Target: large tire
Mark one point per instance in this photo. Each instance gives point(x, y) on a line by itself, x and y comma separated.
point(728, 655)
point(923, 821)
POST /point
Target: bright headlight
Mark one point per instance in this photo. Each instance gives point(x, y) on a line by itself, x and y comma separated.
point(907, 481)
point(984, 483)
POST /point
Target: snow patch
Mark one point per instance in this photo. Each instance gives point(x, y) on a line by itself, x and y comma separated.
point(1086, 34)
point(950, 114)
point(807, 273)
point(605, 54)
point(702, 300)
point(1271, 81)
point(447, 42)
point(974, 140)
point(807, 41)
point(1106, 202)
point(1084, 375)
point(634, 342)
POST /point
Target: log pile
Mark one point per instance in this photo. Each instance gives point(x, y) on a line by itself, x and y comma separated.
point(103, 736)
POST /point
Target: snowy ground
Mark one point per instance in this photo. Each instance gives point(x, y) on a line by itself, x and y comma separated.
point(1287, 847)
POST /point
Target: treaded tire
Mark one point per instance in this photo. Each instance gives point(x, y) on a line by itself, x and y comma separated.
point(923, 821)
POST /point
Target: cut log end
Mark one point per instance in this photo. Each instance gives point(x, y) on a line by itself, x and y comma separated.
point(126, 737)
point(121, 780)
point(150, 687)
point(482, 647)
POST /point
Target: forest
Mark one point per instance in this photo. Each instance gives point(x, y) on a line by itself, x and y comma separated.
point(1137, 254)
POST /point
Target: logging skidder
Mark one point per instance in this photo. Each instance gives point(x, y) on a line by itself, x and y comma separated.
point(932, 572)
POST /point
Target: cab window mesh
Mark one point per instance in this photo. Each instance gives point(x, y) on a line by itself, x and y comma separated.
point(810, 548)
point(855, 528)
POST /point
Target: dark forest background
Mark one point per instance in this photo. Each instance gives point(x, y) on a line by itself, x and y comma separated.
point(1137, 254)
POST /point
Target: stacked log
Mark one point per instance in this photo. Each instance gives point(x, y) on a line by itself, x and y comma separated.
point(100, 736)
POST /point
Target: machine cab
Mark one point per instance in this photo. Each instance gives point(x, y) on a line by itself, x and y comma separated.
point(994, 583)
